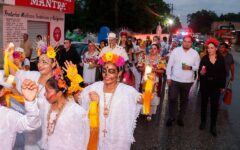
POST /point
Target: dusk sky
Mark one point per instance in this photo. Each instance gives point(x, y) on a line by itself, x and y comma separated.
point(182, 8)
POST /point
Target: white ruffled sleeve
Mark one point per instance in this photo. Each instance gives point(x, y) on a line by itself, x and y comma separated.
point(28, 122)
point(84, 99)
point(21, 75)
point(136, 106)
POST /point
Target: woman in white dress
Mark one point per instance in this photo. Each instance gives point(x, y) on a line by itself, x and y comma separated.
point(119, 105)
point(90, 64)
point(13, 122)
point(45, 66)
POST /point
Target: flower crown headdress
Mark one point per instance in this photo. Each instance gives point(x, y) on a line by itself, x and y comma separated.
point(72, 76)
point(113, 58)
point(212, 40)
point(48, 50)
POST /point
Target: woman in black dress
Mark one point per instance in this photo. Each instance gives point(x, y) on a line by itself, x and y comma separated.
point(212, 82)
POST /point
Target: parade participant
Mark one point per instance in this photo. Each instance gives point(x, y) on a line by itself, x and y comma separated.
point(114, 48)
point(182, 63)
point(140, 51)
point(229, 62)
point(89, 64)
point(118, 104)
point(46, 65)
point(165, 47)
point(128, 77)
point(20, 60)
point(27, 46)
point(102, 44)
point(66, 124)
point(123, 39)
point(158, 66)
point(13, 122)
point(212, 82)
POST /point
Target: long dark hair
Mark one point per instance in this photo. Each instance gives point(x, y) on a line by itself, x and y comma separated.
point(53, 83)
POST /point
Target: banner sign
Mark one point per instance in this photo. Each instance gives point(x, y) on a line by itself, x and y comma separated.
point(66, 6)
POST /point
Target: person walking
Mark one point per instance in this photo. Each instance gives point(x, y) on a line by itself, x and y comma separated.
point(182, 63)
point(212, 83)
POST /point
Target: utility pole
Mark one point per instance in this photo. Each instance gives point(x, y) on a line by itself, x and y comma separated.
point(116, 13)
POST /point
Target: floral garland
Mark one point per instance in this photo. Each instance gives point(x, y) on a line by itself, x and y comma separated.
point(49, 51)
point(72, 75)
point(75, 78)
point(212, 40)
point(113, 58)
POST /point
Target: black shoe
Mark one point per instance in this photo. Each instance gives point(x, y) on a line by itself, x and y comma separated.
point(180, 123)
point(169, 122)
point(213, 131)
point(202, 126)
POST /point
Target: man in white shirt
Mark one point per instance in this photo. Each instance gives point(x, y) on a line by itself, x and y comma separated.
point(114, 48)
point(182, 63)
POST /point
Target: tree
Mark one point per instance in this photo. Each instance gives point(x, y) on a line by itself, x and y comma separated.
point(201, 21)
point(137, 15)
point(230, 17)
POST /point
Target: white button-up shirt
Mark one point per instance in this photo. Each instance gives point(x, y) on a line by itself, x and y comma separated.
point(177, 58)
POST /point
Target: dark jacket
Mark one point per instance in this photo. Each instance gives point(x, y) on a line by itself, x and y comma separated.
point(215, 76)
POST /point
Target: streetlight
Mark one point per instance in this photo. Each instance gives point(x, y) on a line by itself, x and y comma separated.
point(170, 22)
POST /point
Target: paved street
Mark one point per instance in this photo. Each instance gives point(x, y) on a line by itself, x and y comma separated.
point(155, 136)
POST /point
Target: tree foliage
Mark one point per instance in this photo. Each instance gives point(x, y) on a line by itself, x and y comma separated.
point(201, 21)
point(137, 15)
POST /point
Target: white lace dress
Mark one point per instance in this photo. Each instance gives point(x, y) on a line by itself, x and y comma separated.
point(71, 131)
point(13, 122)
point(33, 138)
point(123, 114)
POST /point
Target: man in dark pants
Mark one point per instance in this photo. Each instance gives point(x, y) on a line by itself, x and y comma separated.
point(182, 63)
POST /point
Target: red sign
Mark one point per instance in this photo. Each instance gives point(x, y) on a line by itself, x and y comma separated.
point(57, 34)
point(66, 6)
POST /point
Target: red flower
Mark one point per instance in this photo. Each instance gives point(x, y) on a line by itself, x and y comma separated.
point(212, 40)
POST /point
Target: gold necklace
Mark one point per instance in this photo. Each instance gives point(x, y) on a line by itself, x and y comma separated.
point(52, 123)
point(106, 110)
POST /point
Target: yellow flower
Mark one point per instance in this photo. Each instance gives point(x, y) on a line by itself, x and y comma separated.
point(39, 52)
point(74, 88)
point(78, 79)
point(72, 72)
point(109, 56)
point(51, 52)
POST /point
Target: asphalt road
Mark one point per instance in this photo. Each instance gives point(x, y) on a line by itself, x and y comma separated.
point(155, 136)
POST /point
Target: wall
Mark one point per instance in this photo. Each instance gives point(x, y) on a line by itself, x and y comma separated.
point(15, 20)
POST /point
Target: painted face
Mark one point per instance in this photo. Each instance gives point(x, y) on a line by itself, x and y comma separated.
point(212, 49)
point(50, 94)
point(1, 92)
point(110, 73)
point(187, 43)
point(45, 64)
point(112, 41)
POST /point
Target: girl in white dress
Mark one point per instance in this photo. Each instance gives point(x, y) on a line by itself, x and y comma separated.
point(46, 65)
point(118, 105)
point(13, 122)
point(66, 125)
